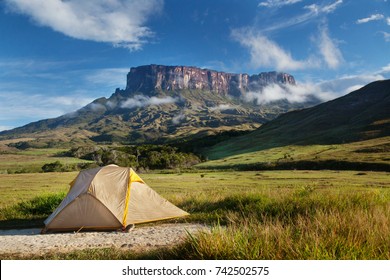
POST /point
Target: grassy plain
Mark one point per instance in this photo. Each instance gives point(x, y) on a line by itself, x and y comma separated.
point(254, 215)
point(23, 187)
point(32, 160)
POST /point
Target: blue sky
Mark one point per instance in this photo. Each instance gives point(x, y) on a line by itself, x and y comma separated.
point(57, 56)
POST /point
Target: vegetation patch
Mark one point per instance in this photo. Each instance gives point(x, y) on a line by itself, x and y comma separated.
point(30, 213)
point(383, 148)
point(306, 165)
point(39, 206)
point(143, 157)
point(351, 156)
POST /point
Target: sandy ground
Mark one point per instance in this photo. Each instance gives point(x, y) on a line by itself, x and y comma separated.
point(30, 241)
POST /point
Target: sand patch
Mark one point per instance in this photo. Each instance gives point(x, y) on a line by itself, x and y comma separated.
point(30, 241)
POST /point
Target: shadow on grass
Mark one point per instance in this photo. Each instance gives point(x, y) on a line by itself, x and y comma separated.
point(306, 165)
point(21, 223)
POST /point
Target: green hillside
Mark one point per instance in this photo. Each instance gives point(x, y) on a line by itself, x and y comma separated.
point(361, 115)
point(371, 154)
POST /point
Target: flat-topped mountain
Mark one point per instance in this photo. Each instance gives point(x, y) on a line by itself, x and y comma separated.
point(166, 103)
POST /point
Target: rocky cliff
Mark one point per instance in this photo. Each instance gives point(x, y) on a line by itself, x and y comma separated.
point(149, 78)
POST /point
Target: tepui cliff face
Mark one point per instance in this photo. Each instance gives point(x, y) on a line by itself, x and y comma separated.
point(172, 78)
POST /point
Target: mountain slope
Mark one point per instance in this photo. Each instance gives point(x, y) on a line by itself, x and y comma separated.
point(166, 103)
point(361, 115)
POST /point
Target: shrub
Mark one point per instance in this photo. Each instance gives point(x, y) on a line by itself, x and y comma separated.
point(56, 166)
point(35, 208)
point(42, 205)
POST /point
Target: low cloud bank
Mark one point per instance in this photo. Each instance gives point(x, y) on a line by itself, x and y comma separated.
point(292, 93)
point(222, 107)
point(324, 90)
point(178, 118)
point(144, 101)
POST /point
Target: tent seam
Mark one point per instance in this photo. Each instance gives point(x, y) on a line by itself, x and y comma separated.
point(127, 200)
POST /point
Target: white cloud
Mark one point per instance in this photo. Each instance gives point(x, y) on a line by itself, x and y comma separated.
point(48, 90)
point(143, 101)
point(5, 127)
point(386, 36)
point(178, 118)
point(288, 22)
point(159, 101)
point(331, 54)
point(291, 93)
point(323, 90)
point(385, 69)
point(264, 52)
point(120, 22)
point(111, 104)
point(267, 53)
point(353, 88)
point(112, 77)
point(34, 64)
point(346, 84)
point(222, 107)
point(331, 7)
point(64, 101)
point(17, 106)
point(388, 21)
point(313, 12)
point(370, 18)
point(278, 3)
point(271, 93)
point(96, 107)
point(323, 9)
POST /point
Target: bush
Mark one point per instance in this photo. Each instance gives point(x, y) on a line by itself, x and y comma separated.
point(41, 205)
point(56, 166)
point(36, 208)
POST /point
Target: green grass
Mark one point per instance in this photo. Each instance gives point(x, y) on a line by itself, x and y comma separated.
point(41, 152)
point(15, 188)
point(324, 234)
point(32, 160)
point(30, 213)
point(38, 207)
point(357, 154)
point(254, 215)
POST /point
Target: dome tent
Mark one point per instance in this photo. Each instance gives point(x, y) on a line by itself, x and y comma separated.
point(109, 197)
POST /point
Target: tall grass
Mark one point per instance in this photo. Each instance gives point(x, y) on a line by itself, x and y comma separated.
point(30, 213)
point(302, 226)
